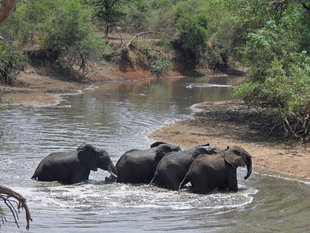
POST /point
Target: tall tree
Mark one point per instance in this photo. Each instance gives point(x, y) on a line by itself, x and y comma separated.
point(109, 11)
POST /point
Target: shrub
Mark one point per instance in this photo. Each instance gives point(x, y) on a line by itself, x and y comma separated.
point(70, 35)
point(280, 71)
point(192, 37)
point(12, 61)
point(286, 89)
point(62, 29)
point(159, 67)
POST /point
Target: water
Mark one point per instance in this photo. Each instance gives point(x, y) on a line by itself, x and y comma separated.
point(117, 117)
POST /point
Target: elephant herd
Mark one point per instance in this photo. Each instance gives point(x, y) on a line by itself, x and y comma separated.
point(205, 167)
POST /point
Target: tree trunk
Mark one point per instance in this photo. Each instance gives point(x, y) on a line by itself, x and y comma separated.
point(106, 32)
point(7, 8)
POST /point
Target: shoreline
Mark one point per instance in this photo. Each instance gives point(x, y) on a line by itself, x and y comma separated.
point(286, 160)
point(220, 124)
point(41, 88)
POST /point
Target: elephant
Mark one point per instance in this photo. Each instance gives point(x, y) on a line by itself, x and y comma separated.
point(172, 168)
point(208, 172)
point(74, 166)
point(138, 166)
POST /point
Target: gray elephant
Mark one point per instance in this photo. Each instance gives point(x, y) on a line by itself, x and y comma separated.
point(138, 166)
point(173, 167)
point(74, 166)
point(208, 172)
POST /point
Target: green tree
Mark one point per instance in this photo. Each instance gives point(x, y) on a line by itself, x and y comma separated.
point(192, 38)
point(109, 11)
point(62, 29)
point(279, 61)
point(12, 61)
point(136, 16)
point(68, 35)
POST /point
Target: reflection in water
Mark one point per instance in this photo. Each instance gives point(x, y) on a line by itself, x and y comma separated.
point(117, 117)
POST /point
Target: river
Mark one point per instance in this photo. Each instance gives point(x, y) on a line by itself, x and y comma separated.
point(118, 117)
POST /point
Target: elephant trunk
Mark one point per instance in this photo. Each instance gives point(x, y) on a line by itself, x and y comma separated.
point(249, 167)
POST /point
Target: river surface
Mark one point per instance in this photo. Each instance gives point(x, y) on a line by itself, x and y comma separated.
point(118, 117)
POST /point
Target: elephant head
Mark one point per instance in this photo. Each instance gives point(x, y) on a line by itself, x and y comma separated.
point(163, 149)
point(7, 8)
point(204, 149)
point(237, 156)
point(94, 158)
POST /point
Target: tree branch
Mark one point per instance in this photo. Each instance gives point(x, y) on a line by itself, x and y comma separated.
point(288, 1)
point(305, 6)
point(5, 194)
point(135, 37)
point(278, 2)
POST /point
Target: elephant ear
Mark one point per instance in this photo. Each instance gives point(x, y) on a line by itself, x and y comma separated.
point(234, 158)
point(87, 156)
point(156, 144)
point(199, 151)
point(164, 149)
point(159, 154)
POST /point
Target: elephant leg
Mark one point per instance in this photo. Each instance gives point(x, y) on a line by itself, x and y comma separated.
point(79, 175)
point(123, 174)
point(203, 188)
point(44, 173)
point(232, 181)
point(201, 185)
point(171, 182)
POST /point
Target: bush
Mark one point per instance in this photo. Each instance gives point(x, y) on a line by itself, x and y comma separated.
point(192, 38)
point(70, 35)
point(12, 61)
point(62, 29)
point(286, 89)
point(161, 66)
point(279, 74)
point(16, 27)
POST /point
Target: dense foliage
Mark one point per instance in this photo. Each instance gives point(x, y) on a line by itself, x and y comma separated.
point(61, 31)
point(11, 62)
point(109, 12)
point(277, 54)
point(271, 38)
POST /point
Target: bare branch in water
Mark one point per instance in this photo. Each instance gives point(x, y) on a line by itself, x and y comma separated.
point(5, 194)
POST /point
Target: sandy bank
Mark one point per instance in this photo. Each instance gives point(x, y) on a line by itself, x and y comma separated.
point(227, 124)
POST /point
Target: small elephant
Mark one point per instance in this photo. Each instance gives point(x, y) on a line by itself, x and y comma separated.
point(74, 166)
point(173, 167)
point(208, 172)
point(138, 166)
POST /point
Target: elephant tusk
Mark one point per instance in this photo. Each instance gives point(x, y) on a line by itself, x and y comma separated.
point(113, 174)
